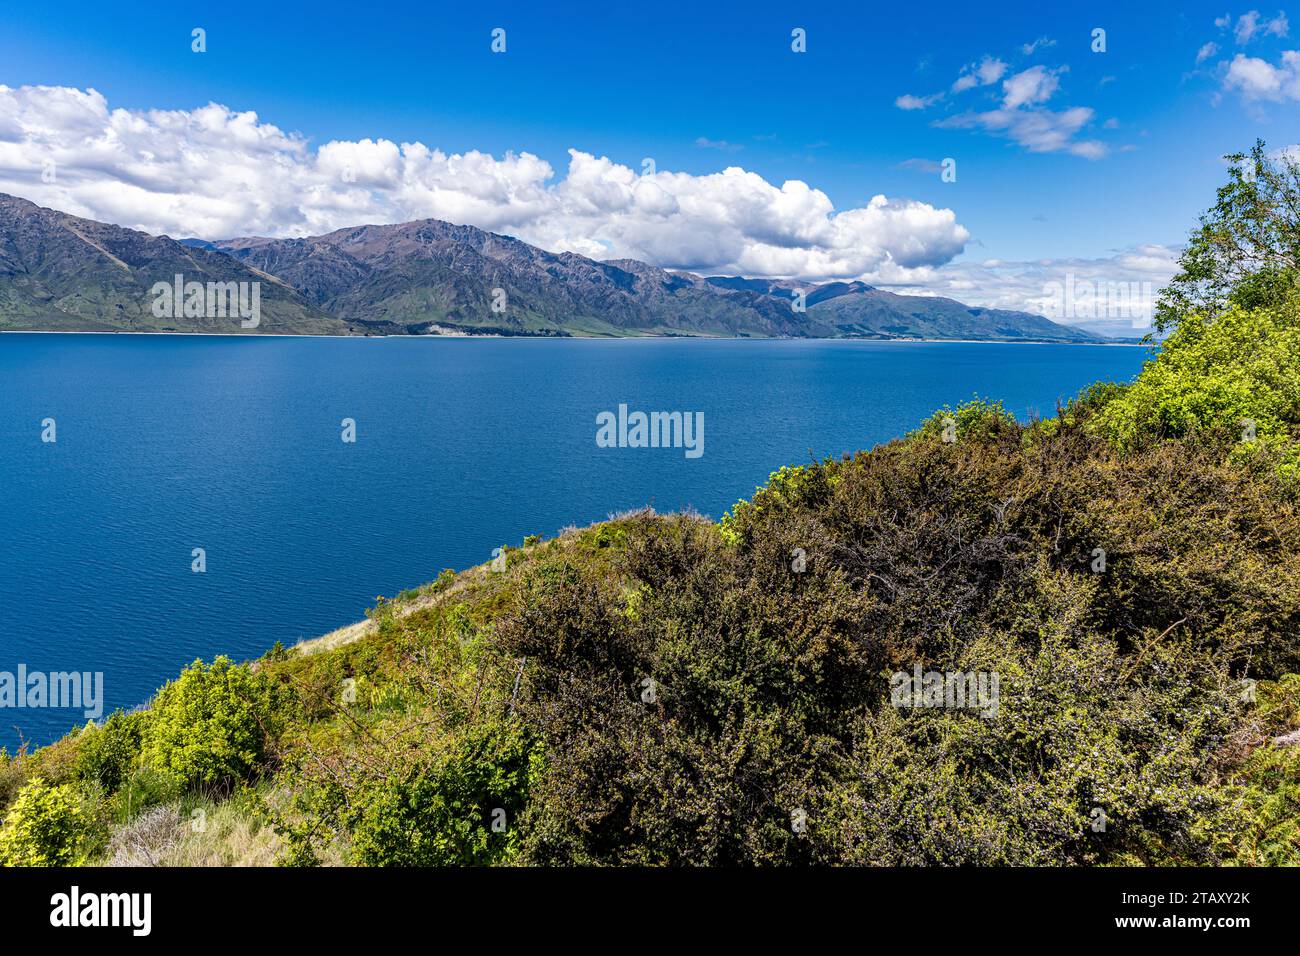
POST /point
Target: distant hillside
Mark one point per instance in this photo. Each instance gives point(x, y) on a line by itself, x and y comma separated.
point(429, 275)
point(60, 272)
point(857, 309)
point(1121, 330)
point(64, 273)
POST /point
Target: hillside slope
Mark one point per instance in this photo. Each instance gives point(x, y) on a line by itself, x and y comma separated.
point(63, 273)
point(664, 690)
point(416, 276)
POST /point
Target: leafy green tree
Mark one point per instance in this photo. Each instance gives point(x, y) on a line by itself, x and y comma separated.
point(1246, 251)
point(215, 724)
point(43, 827)
point(1236, 376)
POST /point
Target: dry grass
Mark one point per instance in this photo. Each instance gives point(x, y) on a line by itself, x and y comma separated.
point(231, 833)
point(466, 580)
point(229, 836)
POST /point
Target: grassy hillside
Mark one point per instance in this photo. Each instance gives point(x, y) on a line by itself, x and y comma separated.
point(661, 689)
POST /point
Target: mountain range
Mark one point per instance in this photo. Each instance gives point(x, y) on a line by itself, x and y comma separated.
point(60, 272)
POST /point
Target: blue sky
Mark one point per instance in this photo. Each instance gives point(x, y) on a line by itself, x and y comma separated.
point(701, 87)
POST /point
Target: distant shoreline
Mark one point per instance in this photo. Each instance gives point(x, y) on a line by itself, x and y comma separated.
point(579, 338)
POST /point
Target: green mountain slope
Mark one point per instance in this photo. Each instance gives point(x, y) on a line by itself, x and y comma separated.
point(427, 275)
point(63, 273)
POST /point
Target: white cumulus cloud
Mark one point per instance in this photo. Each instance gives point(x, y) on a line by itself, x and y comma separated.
point(908, 101)
point(1251, 24)
point(984, 73)
point(1034, 85)
point(1037, 130)
point(1023, 116)
point(1257, 79)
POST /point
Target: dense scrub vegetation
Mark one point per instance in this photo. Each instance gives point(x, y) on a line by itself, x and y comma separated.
point(667, 690)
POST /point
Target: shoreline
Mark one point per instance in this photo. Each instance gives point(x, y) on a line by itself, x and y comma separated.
point(581, 338)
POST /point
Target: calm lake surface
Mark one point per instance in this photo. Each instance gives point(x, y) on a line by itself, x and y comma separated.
point(168, 443)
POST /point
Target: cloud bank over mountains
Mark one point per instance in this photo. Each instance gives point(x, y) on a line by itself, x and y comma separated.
point(213, 172)
point(1006, 284)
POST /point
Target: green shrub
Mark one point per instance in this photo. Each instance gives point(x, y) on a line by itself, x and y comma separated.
point(277, 653)
point(608, 536)
point(1211, 377)
point(1084, 774)
point(769, 689)
point(789, 487)
point(43, 827)
point(214, 725)
point(12, 777)
point(444, 814)
point(107, 752)
point(142, 788)
point(1077, 413)
point(976, 420)
point(1269, 783)
point(57, 763)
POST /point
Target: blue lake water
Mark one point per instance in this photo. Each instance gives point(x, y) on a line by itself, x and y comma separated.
point(167, 443)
